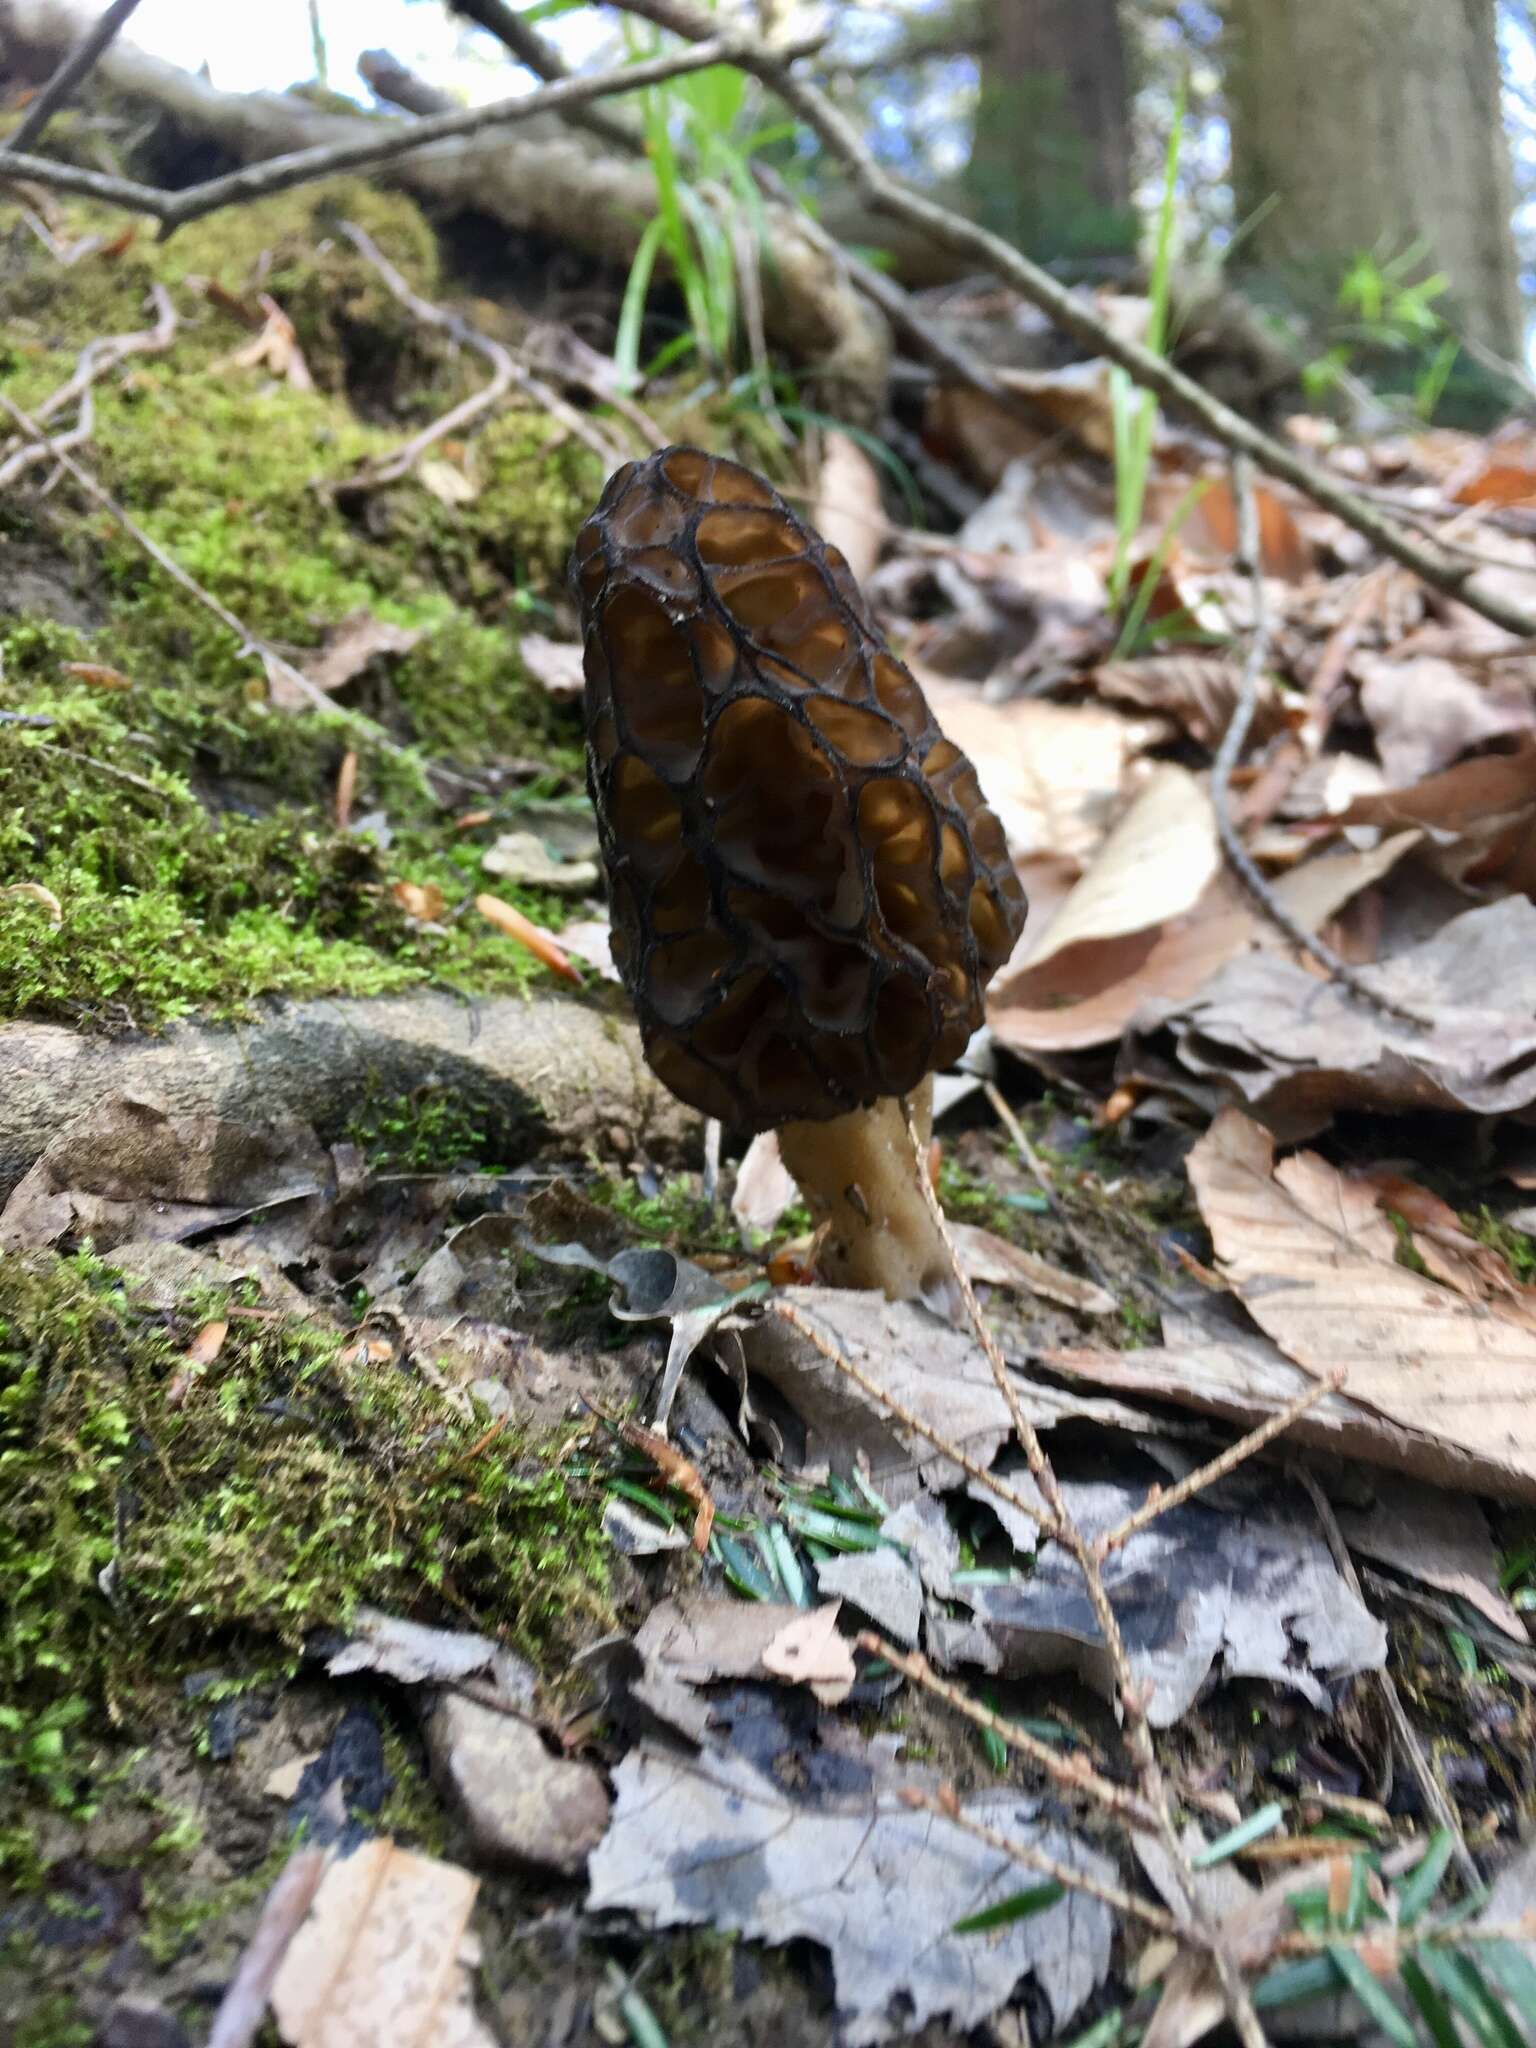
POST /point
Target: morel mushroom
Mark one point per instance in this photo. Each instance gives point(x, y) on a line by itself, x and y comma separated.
point(808, 893)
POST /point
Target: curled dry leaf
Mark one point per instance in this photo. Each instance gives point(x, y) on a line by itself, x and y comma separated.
point(1089, 993)
point(992, 1259)
point(421, 901)
point(677, 1471)
point(98, 675)
point(1315, 1262)
point(34, 892)
point(848, 513)
point(1199, 691)
point(1481, 815)
point(1450, 1251)
point(1425, 713)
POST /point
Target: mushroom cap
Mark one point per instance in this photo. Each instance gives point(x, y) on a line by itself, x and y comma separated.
point(808, 893)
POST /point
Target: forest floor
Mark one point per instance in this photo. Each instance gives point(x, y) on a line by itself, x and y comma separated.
point(327, 1522)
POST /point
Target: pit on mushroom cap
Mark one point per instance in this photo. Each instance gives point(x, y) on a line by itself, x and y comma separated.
point(808, 892)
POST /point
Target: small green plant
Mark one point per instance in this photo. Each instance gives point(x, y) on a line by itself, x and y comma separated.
point(1133, 414)
point(700, 151)
point(1385, 310)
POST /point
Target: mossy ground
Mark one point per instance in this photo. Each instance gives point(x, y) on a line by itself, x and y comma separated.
point(227, 879)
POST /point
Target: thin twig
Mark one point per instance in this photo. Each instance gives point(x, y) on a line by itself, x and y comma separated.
point(504, 374)
point(1071, 1773)
point(1074, 312)
point(524, 43)
point(133, 781)
point(70, 73)
point(1427, 1778)
point(1241, 862)
point(1135, 1728)
point(93, 363)
point(249, 642)
point(1026, 1151)
point(243, 2007)
point(1161, 1499)
point(397, 139)
point(1112, 1895)
point(828, 1349)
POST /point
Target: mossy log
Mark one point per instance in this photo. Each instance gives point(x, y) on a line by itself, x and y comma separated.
point(550, 1073)
point(537, 178)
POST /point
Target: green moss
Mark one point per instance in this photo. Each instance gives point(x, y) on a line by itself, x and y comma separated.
point(226, 879)
point(429, 1133)
point(1517, 1247)
point(677, 1216)
point(293, 1480)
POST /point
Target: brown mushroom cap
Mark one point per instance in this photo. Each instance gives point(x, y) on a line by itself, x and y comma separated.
point(808, 893)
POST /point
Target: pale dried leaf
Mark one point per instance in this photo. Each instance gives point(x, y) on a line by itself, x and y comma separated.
point(990, 1258)
point(765, 1187)
point(1198, 690)
point(554, 663)
point(349, 648)
point(1272, 1033)
point(376, 1964)
point(1315, 1262)
point(523, 858)
point(34, 892)
point(809, 1651)
point(446, 481)
point(848, 513)
point(1426, 713)
point(1089, 994)
point(712, 1838)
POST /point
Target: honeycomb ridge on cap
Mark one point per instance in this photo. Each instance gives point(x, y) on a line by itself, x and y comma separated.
point(808, 892)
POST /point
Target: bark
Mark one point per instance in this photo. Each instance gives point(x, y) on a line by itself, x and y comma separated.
point(1051, 165)
point(1372, 125)
point(536, 179)
point(556, 1076)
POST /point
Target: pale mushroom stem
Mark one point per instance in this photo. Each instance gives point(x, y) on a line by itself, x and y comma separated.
point(859, 1177)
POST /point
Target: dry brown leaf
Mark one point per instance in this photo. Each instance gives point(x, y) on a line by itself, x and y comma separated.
point(1153, 866)
point(1426, 713)
point(765, 1187)
point(1089, 994)
point(1315, 1263)
point(1487, 804)
point(1211, 529)
point(992, 1259)
point(1198, 690)
point(1451, 1252)
point(848, 513)
point(348, 649)
point(423, 902)
point(1054, 773)
point(98, 675)
point(377, 1963)
point(275, 348)
point(677, 1471)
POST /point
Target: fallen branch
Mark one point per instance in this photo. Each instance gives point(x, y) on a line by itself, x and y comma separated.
point(1229, 753)
point(1075, 315)
point(305, 166)
point(527, 47)
point(74, 69)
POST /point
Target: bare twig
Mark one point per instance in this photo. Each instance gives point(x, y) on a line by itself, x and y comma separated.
point(249, 641)
point(93, 363)
point(1241, 862)
point(1162, 1498)
point(1425, 1774)
point(1075, 314)
point(1071, 1773)
point(70, 73)
point(1043, 1181)
point(505, 374)
point(244, 2004)
point(820, 1342)
point(1112, 1895)
point(1135, 1728)
point(398, 139)
point(523, 42)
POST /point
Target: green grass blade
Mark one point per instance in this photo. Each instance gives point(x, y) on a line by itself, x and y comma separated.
point(1253, 1829)
point(1513, 1970)
point(1294, 1983)
point(1432, 2008)
point(1423, 1881)
point(1465, 1993)
point(1018, 1906)
point(1370, 1994)
point(637, 286)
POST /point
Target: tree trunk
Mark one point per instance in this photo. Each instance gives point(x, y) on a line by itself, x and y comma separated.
point(1051, 165)
point(1375, 125)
